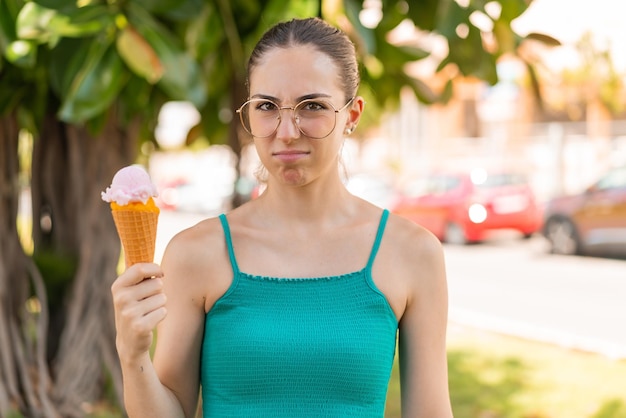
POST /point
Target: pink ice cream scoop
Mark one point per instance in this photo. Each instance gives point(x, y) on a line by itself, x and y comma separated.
point(130, 184)
point(135, 213)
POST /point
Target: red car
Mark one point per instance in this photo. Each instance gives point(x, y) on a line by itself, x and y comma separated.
point(460, 208)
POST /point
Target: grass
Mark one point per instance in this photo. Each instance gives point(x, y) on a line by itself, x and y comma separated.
point(496, 376)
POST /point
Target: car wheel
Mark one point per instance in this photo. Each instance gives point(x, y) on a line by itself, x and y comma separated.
point(562, 235)
point(455, 234)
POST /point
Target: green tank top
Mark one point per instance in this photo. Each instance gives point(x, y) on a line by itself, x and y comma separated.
point(298, 347)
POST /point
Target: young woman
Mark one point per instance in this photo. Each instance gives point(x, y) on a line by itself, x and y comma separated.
point(290, 305)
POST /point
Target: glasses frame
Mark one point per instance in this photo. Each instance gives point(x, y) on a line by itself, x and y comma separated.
point(293, 115)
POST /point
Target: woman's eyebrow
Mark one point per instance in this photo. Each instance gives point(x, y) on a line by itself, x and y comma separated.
point(266, 97)
point(298, 99)
point(313, 96)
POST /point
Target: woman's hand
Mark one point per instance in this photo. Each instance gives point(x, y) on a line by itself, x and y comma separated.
point(139, 304)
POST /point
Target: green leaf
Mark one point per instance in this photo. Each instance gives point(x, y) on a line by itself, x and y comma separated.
point(7, 27)
point(512, 9)
point(448, 92)
point(393, 14)
point(450, 16)
point(22, 53)
point(85, 21)
point(366, 35)
point(137, 98)
point(173, 9)
point(545, 39)
point(506, 38)
point(102, 14)
point(66, 62)
point(206, 33)
point(56, 4)
point(423, 91)
point(182, 78)
point(33, 22)
point(138, 55)
point(47, 25)
point(401, 55)
point(425, 14)
point(96, 85)
point(10, 97)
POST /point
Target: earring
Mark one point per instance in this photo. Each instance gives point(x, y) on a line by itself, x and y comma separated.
point(348, 131)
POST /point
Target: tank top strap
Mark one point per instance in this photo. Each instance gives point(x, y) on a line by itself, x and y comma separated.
point(379, 237)
point(229, 244)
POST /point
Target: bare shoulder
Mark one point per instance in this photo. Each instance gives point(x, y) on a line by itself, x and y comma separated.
point(419, 272)
point(197, 260)
point(410, 265)
point(190, 240)
point(414, 245)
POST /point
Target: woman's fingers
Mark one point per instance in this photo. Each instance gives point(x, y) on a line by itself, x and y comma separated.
point(137, 273)
point(139, 304)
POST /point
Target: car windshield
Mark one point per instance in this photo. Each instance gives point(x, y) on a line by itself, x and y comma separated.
point(436, 184)
point(500, 180)
point(614, 180)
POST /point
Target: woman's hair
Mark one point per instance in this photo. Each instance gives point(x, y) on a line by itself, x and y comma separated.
point(323, 37)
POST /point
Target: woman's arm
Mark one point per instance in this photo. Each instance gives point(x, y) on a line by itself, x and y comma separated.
point(168, 384)
point(422, 338)
point(139, 304)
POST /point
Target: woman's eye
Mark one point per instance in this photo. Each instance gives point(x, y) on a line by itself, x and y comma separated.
point(315, 106)
point(266, 106)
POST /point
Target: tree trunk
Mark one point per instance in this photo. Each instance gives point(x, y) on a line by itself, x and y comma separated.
point(57, 368)
point(236, 139)
point(24, 376)
point(70, 169)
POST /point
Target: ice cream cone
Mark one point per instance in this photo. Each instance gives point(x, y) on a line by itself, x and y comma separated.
point(134, 212)
point(136, 225)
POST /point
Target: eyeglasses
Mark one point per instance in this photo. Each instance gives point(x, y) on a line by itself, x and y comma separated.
point(315, 118)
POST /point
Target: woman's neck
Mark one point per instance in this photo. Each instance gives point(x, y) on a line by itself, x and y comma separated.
point(317, 200)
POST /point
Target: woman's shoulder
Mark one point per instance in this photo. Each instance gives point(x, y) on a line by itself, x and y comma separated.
point(201, 238)
point(411, 239)
point(197, 256)
point(409, 263)
point(414, 253)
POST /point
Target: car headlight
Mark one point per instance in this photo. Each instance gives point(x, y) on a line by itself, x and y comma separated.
point(477, 213)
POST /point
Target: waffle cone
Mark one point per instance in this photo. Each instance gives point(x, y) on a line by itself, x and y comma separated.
point(136, 225)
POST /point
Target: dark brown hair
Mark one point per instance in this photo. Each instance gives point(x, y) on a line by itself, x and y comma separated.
point(322, 36)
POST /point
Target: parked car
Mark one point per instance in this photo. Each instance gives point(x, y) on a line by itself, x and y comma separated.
point(593, 221)
point(461, 208)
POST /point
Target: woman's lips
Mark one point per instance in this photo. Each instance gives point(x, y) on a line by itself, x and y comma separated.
point(290, 156)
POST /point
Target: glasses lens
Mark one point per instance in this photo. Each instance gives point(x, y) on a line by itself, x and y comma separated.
point(315, 118)
point(260, 117)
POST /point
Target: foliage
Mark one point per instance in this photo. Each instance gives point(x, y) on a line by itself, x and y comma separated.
point(614, 408)
point(492, 375)
point(485, 386)
point(595, 79)
point(87, 79)
point(78, 59)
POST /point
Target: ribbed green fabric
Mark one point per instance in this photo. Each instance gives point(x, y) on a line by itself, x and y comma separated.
point(308, 347)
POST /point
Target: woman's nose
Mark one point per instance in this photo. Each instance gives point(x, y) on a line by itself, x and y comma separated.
point(287, 125)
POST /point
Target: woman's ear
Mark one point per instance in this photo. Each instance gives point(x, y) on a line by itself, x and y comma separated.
point(354, 114)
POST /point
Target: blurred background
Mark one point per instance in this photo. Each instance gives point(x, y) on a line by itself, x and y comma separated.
point(500, 126)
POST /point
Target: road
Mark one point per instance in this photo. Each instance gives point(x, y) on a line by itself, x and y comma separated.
point(513, 286)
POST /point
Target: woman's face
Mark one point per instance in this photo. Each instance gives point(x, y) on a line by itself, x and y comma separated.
point(286, 77)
